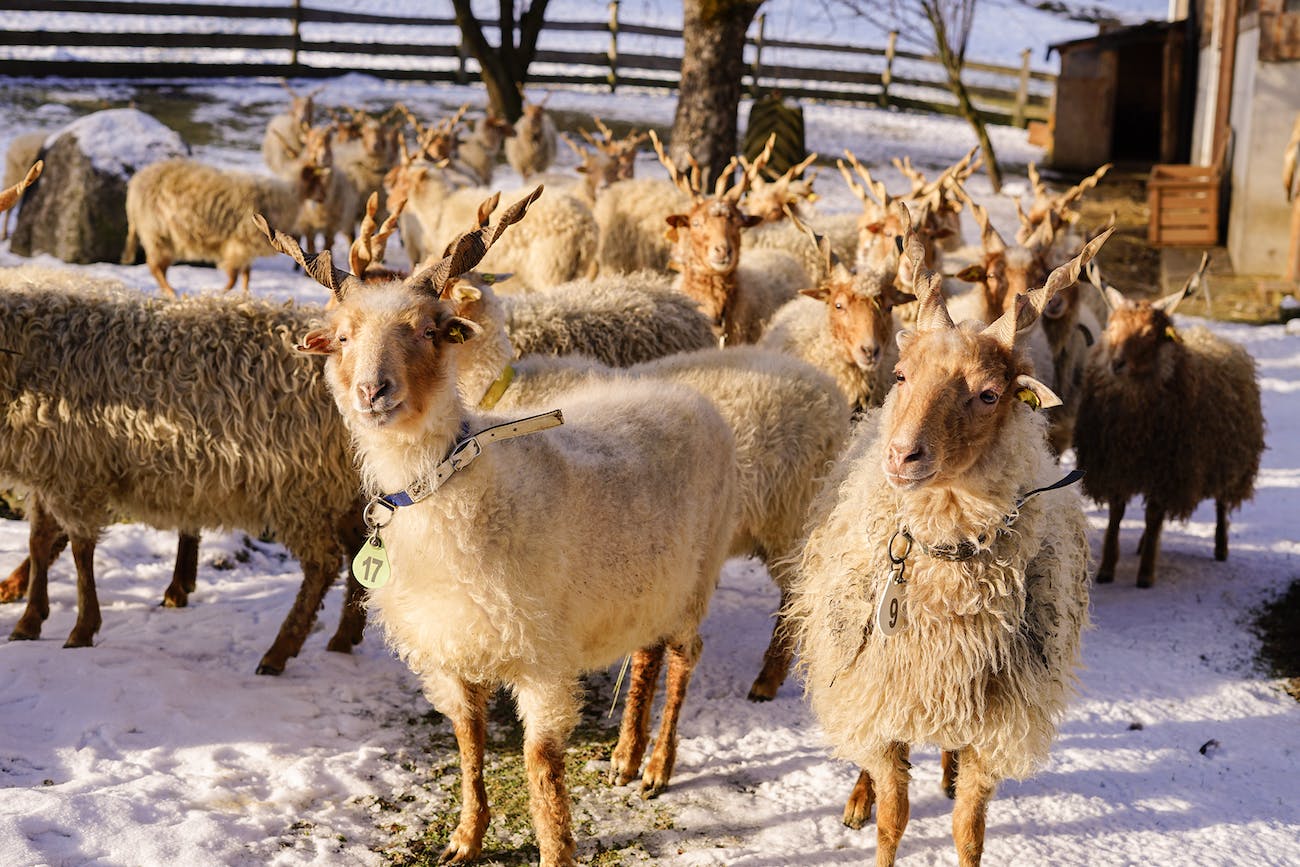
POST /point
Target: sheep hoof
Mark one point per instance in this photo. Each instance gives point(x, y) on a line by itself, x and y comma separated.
point(265, 667)
point(12, 590)
point(652, 788)
point(80, 638)
point(341, 644)
point(1146, 580)
point(175, 600)
point(761, 692)
point(23, 633)
point(1105, 577)
point(620, 776)
point(458, 853)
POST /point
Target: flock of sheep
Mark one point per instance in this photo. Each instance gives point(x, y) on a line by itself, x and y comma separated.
point(541, 475)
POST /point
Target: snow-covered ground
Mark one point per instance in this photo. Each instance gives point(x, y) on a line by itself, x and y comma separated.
point(160, 746)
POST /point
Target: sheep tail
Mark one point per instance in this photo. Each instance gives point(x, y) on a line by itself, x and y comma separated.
point(132, 243)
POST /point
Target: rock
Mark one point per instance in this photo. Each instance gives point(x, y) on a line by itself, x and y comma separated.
point(77, 210)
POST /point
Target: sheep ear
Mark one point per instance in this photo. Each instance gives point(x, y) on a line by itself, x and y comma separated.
point(455, 329)
point(971, 274)
point(678, 221)
point(1035, 393)
point(904, 337)
point(891, 296)
point(318, 342)
point(750, 221)
point(463, 293)
point(817, 293)
point(1116, 299)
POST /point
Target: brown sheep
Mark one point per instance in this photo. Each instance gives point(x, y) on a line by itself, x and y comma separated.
point(1173, 415)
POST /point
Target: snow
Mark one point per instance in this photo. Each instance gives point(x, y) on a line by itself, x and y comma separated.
point(120, 141)
point(160, 746)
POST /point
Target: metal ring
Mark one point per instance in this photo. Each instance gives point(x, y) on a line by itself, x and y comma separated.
point(367, 516)
point(890, 548)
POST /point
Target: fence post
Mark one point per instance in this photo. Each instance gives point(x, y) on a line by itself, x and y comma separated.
point(613, 46)
point(297, 19)
point(1022, 92)
point(887, 75)
point(757, 69)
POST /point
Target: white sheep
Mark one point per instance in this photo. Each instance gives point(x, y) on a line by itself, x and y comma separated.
point(480, 152)
point(556, 245)
point(788, 421)
point(531, 150)
point(22, 153)
point(536, 559)
point(631, 216)
point(181, 414)
point(938, 601)
point(284, 132)
point(185, 210)
point(844, 327)
point(338, 206)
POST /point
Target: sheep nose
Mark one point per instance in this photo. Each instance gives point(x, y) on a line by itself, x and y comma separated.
point(369, 392)
point(871, 351)
point(902, 454)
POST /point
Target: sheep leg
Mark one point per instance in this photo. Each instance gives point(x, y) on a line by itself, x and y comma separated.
point(469, 722)
point(158, 268)
point(1220, 530)
point(352, 622)
point(232, 274)
point(682, 659)
point(549, 710)
point(1110, 544)
point(316, 579)
point(634, 731)
point(185, 574)
point(14, 587)
point(857, 810)
point(776, 661)
point(44, 542)
point(949, 761)
point(890, 773)
point(247, 273)
point(974, 789)
point(88, 619)
point(1150, 545)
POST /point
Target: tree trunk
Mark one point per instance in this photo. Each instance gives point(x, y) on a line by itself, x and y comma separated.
point(713, 61)
point(972, 115)
point(504, 69)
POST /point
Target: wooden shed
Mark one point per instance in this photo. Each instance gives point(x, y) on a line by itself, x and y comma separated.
point(1124, 95)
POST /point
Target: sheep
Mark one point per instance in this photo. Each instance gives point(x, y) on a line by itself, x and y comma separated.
point(619, 321)
point(284, 133)
point(364, 150)
point(534, 562)
point(181, 209)
point(532, 149)
point(555, 246)
point(181, 414)
point(630, 215)
point(740, 298)
point(788, 421)
point(23, 152)
point(1171, 414)
point(479, 153)
point(338, 206)
point(14, 190)
point(844, 327)
point(938, 600)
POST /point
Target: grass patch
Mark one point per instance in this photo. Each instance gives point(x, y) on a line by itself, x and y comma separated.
point(1280, 640)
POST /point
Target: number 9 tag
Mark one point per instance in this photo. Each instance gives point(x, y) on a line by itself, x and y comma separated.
point(891, 613)
point(370, 566)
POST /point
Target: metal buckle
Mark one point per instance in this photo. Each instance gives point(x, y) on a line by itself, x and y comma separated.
point(464, 454)
point(367, 515)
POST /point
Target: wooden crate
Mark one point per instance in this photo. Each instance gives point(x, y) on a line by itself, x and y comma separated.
point(1184, 203)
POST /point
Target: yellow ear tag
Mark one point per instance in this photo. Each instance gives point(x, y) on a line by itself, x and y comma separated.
point(370, 566)
point(488, 278)
point(456, 334)
point(1028, 396)
point(1172, 334)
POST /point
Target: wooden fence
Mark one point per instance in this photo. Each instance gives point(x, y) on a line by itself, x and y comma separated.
point(837, 72)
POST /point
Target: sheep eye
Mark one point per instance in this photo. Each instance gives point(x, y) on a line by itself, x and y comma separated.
point(898, 376)
point(989, 396)
point(343, 338)
point(430, 333)
point(839, 305)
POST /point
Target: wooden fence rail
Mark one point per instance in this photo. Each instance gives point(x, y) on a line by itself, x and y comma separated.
point(820, 70)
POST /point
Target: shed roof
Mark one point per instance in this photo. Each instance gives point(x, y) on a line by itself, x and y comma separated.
point(1148, 31)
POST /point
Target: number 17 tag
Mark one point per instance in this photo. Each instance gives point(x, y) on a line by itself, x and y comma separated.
point(891, 613)
point(370, 566)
